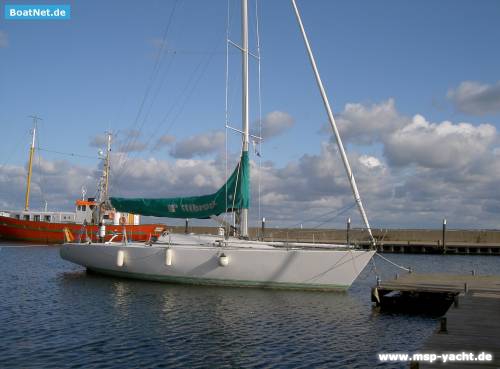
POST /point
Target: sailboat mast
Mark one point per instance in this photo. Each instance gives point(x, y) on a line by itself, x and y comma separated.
point(30, 163)
point(245, 100)
point(340, 145)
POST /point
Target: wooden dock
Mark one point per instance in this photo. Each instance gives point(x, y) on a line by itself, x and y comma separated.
point(470, 305)
point(472, 326)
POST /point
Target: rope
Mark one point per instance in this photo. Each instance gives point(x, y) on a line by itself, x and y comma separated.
point(237, 181)
point(393, 263)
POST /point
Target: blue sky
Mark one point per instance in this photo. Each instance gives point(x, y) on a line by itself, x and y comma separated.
point(91, 73)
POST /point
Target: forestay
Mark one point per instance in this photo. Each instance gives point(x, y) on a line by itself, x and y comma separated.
point(237, 189)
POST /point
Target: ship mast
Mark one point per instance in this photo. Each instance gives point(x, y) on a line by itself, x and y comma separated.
point(326, 103)
point(30, 163)
point(245, 101)
point(107, 166)
point(104, 182)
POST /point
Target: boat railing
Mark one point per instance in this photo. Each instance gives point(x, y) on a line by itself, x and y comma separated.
point(112, 238)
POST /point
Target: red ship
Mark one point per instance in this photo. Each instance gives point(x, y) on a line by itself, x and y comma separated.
point(59, 227)
point(91, 221)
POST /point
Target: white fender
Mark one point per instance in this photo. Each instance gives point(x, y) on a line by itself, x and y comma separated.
point(120, 258)
point(169, 254)
point(223, 260)
point(102, 231)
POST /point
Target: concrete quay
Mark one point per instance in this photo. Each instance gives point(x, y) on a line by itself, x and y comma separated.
point(412, 241)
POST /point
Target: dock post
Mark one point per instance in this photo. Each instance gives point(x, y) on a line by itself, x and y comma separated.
point(186, 228)
point(444, 236)
point(443, 326)
point(263, 229)
point(348, 231)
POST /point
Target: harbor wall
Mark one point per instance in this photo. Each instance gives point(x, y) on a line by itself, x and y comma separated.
point(448, 241)
point(431, 236)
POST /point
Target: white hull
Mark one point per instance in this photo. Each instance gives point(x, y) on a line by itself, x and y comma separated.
point(249, 264)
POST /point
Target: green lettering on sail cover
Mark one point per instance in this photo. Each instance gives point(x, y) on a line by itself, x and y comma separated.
point(237, 189)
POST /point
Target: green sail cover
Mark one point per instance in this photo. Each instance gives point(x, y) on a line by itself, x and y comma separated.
point(237, 188)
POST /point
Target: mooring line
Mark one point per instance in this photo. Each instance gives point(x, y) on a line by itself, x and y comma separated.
point(393, 263)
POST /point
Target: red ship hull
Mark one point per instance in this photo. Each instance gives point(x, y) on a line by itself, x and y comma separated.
point(57, 233)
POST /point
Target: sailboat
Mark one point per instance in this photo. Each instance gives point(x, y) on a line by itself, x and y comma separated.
point(221, 259)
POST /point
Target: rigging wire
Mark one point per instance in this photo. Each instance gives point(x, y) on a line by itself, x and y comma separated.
point(67, 153)
point(337, 211)
point(182, 98)
point(156, 68)
point(180, 103)
point(10, 153)
point(40, 172)
point(259, 179)
point(335, 216)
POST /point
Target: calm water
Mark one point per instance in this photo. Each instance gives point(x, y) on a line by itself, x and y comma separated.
point(53, 314)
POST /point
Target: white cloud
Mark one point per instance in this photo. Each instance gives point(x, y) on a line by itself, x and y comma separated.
point(4, 39)
point(132, 133)
point(98, 141)
point(132, 146)
point(199, 145)
point(369, 161)
point(406, 141)
point(419, 172)
point(312, 187)
point(438, 145)
point(366, 124)
point(127, 141)
point(444, 170)
point(275, 123)
point(57, 182)
point(160, 178)
point(165, 140)
point(475, 98)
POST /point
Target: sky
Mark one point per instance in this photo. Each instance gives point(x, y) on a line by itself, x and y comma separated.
point(414, 87)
